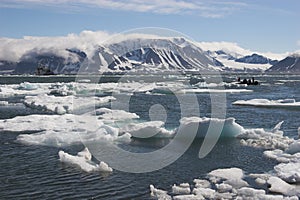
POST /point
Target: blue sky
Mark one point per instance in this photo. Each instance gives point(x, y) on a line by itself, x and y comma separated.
point(260, 25)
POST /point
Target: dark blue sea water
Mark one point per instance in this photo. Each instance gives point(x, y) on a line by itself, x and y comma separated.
point(35, 172)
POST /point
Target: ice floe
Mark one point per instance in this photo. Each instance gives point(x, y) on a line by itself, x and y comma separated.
point(66, 104)
point(62, 130)
point(229, 183)
point(281, 103)
point(183, 188)
point(289, 172)
point(83, 161)
point(27, 86)
point(110, 115)
point(200, 90)
point(273, 139)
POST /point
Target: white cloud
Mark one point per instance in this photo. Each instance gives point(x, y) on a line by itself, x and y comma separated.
point(211, 9)
point(13, 49)
point(237, 51)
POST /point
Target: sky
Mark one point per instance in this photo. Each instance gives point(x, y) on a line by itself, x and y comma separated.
point(259, 25)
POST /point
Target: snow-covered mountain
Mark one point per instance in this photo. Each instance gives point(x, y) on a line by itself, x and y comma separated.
point(134, 54)
point(234, 58)
point(83, 54)
point(287, 65)
point(256, 59)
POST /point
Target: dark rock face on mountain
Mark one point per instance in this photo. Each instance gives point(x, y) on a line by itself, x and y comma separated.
point(7, 66)
point(50, 63)
point(289, 64)
point(256, 59)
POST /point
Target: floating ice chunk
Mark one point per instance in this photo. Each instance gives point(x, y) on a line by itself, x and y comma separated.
point(85, 153)
point(27, 86)
point(159, 194)
point(208, 193)
point(181, 189)
point(65, 130)
point(4, 103)
point(188, 197)
point(223, 188)
point(282, 156)
point(83, 162)
point(265, 139)
point(281, 103)
point(67, 104)
point(294, 147)
point(147, 129)
point(38, 123)
point(202, 183)
point(198, 90)
point(260, 181)
point(115, 115)
point(282, 187)
point(250, 192)
point(289, 172)
point(232, 176)
point(229, 127)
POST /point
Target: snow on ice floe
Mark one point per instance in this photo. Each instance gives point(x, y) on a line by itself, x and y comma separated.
point(83, 161)
point(273, 139)
point(289, 158)
point(65, 104)
point(229, 183)
point(147, 130)
point(61, 130)
point(201, 90)
point(110, 115)
point(281, 103)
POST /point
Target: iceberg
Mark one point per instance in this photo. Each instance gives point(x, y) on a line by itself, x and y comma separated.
point(228, 126)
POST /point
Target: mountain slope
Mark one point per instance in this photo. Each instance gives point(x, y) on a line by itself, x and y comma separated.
point(135, 54)
point(289, 64)
point(256, 59)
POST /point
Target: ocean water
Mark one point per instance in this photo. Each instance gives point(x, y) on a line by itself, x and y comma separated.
point(35, 172)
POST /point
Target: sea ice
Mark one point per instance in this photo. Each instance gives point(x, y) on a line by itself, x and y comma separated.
point(279, 186)
point(115, 115)
point(27, 86)
point(65, 104)
point(232, 176)
point(159, 194)
point(229, 127)
point(83, 160)
point(281, 103)
point(61, 130)
point(147, 129)
point(289, 172)
point(261, 138)
point(181, 189)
